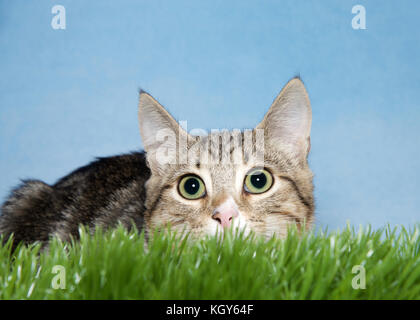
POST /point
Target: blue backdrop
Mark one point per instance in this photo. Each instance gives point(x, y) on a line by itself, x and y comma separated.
point(69, 95)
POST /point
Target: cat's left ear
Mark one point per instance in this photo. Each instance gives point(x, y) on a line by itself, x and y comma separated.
point(161, 134)
point(287, 123)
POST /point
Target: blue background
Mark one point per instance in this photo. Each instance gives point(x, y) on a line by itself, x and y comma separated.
point(67, 96)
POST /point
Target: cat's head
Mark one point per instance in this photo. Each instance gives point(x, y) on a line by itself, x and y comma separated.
point(255, 179)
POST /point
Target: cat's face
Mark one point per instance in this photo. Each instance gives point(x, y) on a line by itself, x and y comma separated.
point(255, 180)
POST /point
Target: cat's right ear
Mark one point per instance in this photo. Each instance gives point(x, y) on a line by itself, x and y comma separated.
point(160, 133)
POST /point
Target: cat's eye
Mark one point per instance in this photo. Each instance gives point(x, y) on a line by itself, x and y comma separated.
point(191, 187)
point(258, 181)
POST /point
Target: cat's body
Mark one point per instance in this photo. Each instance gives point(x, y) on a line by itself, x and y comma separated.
point(103, 193)
point(255, 180)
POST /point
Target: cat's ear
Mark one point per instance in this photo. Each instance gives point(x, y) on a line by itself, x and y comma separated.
point(160, 133)
point(288, 121)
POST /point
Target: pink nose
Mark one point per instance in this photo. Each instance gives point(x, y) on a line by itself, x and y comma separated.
point(224, 217)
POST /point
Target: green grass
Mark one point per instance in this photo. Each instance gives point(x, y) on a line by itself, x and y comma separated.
point(116, 265)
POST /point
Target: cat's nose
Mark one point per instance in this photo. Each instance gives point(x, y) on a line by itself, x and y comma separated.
point(224, 217)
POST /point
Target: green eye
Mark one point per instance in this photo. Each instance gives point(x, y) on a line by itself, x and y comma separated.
point(258, 181)
point(191, 187)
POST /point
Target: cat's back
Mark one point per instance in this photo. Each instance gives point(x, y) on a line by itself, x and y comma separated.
point(103, 193)
point(105, 175)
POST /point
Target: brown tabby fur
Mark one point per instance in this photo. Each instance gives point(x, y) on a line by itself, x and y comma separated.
point(138, 189)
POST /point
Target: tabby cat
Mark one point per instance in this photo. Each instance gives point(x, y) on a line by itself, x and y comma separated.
point(255, 180)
